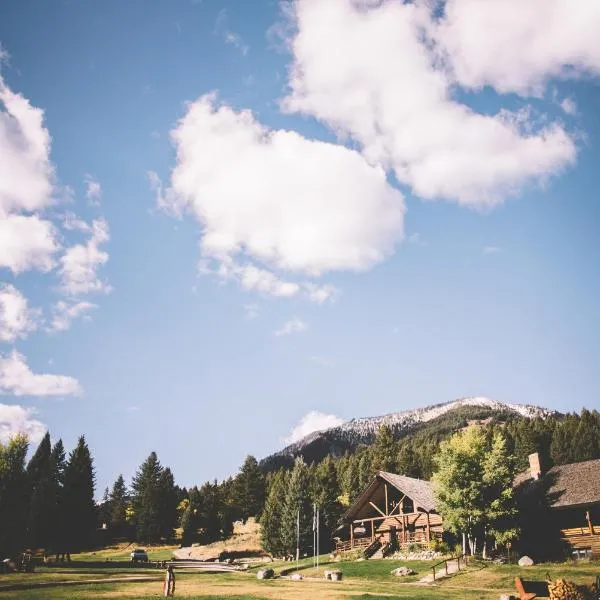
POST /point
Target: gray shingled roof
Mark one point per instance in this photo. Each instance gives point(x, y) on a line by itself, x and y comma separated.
point(569, 485)
point(419, 490)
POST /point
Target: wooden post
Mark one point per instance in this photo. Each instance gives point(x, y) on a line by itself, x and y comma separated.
point(428, 530)
point(387, 509)
point(372, 530)
point(589, 520)
point(351, 535)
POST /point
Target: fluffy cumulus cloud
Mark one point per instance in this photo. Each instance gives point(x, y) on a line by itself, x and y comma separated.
point(17, 319)
point(79, 263)
point(27, 239)
point(517, 46)
point(93, 190)
point(294, 325)
point(311, 422)
point(17, 379)
point(392, 92)
point(273, 200)
point(16, 419)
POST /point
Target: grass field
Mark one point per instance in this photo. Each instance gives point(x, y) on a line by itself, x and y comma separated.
point(365, 580)
point(123, 551)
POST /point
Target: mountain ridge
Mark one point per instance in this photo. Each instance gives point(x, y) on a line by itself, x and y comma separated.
point(362, 430)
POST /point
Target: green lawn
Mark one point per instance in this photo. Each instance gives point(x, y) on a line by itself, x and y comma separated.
point(363, 580)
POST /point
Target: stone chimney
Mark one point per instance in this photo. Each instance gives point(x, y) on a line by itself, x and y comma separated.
point(535, 466)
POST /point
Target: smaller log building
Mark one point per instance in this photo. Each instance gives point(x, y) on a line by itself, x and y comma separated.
point(393, 509)
point(572, 496)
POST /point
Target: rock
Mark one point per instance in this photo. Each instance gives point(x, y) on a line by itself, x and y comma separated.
point(403, 572)
point(265, 574)
point(297, 577)
point(334, 575)
point(525, 561)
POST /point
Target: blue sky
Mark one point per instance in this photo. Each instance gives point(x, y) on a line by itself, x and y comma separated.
point(388, 225)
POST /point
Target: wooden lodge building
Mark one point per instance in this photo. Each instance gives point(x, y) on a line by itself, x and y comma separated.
point(393, 509)
point(570, 496)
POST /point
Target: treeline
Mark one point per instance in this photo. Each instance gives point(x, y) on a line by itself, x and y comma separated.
point(48, 502)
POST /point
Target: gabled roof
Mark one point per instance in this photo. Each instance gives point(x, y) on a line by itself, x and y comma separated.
point(576, 484)
point(420, 491)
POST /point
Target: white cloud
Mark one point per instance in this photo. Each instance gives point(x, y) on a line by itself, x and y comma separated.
point(392, 93)
point(16, 419)
point(16, 318)
point(518, 46)
point(27, 241)
point(294, 325)
point(251, 311)
point(275, 197)
point(79, 263)
point(26, 173)
point(17, 379)
point(311, 422)
point(72, 222)
point(569, 106)
point(63, 314)
point(93, 190)
point(492, 250)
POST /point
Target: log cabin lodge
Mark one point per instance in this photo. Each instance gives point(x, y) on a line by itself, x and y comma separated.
point(398, 510)
point(393, 509)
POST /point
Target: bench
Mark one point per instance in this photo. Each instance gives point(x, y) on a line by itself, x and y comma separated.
point(531, 589)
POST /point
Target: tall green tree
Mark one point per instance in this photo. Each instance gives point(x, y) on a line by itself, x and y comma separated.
point(40, 472)
point(78, 498)
point(119, 501)
point(326, 493)
point(146, 502)
point(473, 486)
point(58, 519)
point(168, 503)
point(297, 506)
point(384, 453)
point(13, 495)
point(271, 517)
point(249, 489)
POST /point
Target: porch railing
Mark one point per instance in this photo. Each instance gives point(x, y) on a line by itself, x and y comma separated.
point(459, 559)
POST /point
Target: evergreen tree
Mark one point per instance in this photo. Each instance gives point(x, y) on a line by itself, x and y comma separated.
point(78, 498)
point(326, 496)
point(40, 473)
point(168, 503)
point(297, 505)
point(13, 495)
point(118, 507)
point(146, 502)
point(249, 489)
point(384, 451)
point(58, 519)
point(270, 520)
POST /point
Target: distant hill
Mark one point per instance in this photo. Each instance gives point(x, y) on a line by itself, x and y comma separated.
point(443, 418)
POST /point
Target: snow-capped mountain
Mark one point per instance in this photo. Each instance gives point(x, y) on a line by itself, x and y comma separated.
point(354, 432)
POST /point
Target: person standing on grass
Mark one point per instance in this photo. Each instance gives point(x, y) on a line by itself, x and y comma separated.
point(169, 589)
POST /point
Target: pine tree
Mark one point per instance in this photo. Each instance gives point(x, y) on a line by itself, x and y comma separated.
point(270, 520)
point(78, 498)
point(40, 473)
point(297, 505)
point(168, 504)
point(13, 495)
point(385, 451)
point(118, 507)
point(325, 496)
point(58, 518)
point(249, 489)
point(146, 502)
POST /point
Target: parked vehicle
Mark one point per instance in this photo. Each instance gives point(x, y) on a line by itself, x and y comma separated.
point(139, 555)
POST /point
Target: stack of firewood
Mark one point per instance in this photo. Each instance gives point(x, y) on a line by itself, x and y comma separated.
point(561, 589)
